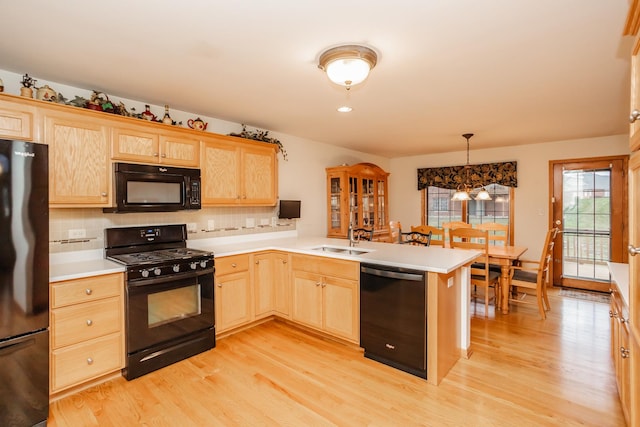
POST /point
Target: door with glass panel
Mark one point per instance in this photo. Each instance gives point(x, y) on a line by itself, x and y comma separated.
point(589, 207)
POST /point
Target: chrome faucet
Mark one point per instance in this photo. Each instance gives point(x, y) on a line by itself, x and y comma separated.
point(352, 241)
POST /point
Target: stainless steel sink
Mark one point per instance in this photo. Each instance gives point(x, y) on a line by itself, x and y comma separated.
point(346, 250)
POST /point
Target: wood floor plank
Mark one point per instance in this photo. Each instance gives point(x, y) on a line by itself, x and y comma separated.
point(524, 371)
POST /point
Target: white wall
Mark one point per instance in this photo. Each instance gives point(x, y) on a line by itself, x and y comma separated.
point(531, 195)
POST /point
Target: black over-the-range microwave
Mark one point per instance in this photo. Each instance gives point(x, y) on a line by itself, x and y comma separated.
point(154, 188)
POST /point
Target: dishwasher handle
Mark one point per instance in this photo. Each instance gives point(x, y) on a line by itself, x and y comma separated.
point(392, 274)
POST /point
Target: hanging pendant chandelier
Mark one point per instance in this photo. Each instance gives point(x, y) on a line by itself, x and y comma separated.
point(463, 190)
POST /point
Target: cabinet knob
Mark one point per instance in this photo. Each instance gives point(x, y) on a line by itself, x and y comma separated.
point(104, 194)
point(89, 322)
point(284, 261)
point(635, 114)
point(155, 154)
point(219, 285)
point(164, 156)
point(234, 265)
point(88, 291)
point(257, 261)
point(89, 361)
point(624, 352)
point(633, 251)
point(317, 283)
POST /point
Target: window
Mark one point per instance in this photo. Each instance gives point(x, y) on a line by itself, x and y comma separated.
point(439, 208)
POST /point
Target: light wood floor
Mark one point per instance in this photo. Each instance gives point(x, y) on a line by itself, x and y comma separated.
point(524, 372)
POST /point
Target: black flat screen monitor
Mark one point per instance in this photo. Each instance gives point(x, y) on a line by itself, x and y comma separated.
point(289, 209)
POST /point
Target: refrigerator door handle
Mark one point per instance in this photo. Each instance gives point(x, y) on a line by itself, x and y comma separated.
point(17, 346)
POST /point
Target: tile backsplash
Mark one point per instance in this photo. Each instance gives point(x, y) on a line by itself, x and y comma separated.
point(83, 229)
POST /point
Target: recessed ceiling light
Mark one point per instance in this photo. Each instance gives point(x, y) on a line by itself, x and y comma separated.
point(345, 109)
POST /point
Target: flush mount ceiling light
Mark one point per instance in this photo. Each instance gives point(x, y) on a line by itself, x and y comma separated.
point(348, 65)
point(463, 190)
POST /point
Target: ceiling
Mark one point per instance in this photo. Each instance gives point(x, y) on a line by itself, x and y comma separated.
point(512, 72)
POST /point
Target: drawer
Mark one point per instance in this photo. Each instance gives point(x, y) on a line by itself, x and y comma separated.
point(231, 264)
point(81, 322)
point(327, 266)
point(79, 363)
point(86, 289)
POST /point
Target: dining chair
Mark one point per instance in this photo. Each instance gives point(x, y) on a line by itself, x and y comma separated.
point(437, 234)
point(454, 224)
point(481, 275)
point(498, 233)
point(534, 276)
point(395, 228)
point(415, 238)
point(362, 234)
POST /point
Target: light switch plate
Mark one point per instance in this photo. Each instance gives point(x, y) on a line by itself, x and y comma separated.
point(211, 225)
point(250, 223)
point(77, 233)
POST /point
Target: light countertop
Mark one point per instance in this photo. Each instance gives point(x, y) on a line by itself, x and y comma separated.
point(73, 265)
point(620, 275)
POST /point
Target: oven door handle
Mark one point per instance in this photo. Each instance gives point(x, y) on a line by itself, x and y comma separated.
point(170, 278)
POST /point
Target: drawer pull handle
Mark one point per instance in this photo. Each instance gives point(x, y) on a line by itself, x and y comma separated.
point(88, 291)
point(89, 322)
point(390, 347)
point(89, 361)
point(624, 352)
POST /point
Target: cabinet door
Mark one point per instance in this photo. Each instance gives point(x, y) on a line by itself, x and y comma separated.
point(264, 284)
point(341, 310)
point(16, 121)
point(337, 206)
point(179, 151)
point(307, 299)
point(232, 300)
point(220, 168)
point(634, 240)
point(282, 283)
point(634, 131)
point(136, 145)
point(258, 176)
point(78, 161)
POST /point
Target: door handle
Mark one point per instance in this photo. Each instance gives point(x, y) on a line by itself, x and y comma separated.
point(633, 251)
point(635, 114)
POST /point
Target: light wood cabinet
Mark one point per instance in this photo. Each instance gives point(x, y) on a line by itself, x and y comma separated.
point(326, 295)
point(358, 195)
point(235, 172)
point(631, 397)
point(79, 172)
point(620, 348)
point(87, 330)
point(140, 144)
point(233, 292)
point(16, 121)
point(271, 284)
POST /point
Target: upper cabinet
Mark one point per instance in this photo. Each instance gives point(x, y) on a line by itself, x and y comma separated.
point(238, 172)
point(358, 195)
point(142, 145)
point(16, 121)
point(79, 172)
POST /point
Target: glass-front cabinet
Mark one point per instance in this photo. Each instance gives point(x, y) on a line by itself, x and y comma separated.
point(357, 194)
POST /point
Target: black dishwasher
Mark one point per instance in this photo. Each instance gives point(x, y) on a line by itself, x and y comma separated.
point(393, 317)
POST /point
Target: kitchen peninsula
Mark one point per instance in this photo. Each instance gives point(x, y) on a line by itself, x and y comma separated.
point(245, 261)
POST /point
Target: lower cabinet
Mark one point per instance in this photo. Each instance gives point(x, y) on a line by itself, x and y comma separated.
point(325, 295)
point(233, 288)
point(87, 329)
point(624, 351)
point(271, 284)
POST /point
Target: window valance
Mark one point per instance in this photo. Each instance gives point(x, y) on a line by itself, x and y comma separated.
point(450, 177)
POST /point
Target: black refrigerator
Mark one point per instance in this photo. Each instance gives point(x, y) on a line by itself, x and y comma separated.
point(24, 284)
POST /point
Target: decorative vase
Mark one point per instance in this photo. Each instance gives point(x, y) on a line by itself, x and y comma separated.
point(26, 92)
point(45, 93)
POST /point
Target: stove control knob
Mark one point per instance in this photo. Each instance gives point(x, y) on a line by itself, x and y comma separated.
point(157, 271)
point(145, 273)
point(203, 264)
point(176, 268)
point(193, 265)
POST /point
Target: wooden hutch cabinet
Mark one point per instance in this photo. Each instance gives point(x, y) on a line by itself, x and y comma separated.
point(357, 194)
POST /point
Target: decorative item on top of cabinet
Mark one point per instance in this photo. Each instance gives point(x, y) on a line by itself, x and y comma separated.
point(28, 83)
point(87, 324)
point(262, 136)
point(358, 195)
point(197, 124)
point(237, 172)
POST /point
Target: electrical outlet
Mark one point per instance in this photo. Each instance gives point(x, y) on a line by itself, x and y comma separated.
point(211, 225)
point(77, 233)
point(192, 227)
point(264, 221)
point(250, 223)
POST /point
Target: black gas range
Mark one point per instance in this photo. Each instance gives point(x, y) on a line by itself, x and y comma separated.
point(169, 309)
